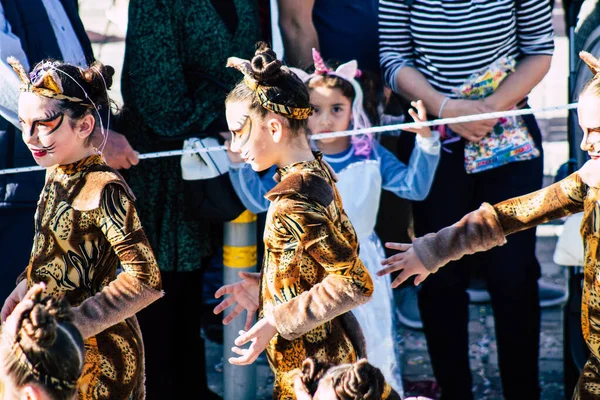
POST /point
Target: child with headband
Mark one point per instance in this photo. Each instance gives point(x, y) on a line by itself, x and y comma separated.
point(311, 274)
point(41, 350)
point(488, 227)
point(363, 169)
point(86, 227)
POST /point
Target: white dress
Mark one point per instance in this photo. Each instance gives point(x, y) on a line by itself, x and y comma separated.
point(359, 185)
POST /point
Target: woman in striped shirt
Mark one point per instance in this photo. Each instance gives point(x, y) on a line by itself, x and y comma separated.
point(427, 48)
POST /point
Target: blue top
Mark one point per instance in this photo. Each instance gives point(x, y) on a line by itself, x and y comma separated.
point(412, 181)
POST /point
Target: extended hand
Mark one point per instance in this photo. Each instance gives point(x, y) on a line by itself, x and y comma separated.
point(117, 151)
point(244, 293)
point(408, 262)
point(472, 131)
point(260, 335)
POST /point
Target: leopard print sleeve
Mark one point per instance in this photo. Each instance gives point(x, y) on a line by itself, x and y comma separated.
point(135, 288)
point(563, 198)
point(321, 243)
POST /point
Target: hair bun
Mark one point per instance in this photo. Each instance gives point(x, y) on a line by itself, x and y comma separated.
point(99, 77)
point(363, 381)
point(39, 325)
point(265, 65)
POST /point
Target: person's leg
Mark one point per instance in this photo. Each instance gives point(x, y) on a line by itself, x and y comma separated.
point(443, 300)
point(16, 241)
point(171, 332)
point(511, 273)
point(157, 323)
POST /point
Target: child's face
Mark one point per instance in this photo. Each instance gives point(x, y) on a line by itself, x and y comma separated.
point(589, 120)
point(333, 112)
point(249, 137)
point(48, 132)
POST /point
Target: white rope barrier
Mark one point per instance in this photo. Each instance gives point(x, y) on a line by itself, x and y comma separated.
point(375, 129)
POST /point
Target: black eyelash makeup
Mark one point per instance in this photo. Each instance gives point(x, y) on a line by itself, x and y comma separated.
point(49, 118)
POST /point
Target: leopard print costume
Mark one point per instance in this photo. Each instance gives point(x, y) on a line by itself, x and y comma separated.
point(86, 226)
point(311, 276)
point(487, 227)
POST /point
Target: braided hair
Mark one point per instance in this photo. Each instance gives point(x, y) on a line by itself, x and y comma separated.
point(45, 349)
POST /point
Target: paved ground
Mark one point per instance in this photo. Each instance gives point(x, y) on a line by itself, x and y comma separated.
point(416, 367)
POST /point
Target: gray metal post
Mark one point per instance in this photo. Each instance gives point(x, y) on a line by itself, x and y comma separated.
point(239, 254)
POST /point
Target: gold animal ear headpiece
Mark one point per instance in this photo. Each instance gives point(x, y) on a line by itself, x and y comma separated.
point(245, 68)
point(592, 62)
point(44, 82)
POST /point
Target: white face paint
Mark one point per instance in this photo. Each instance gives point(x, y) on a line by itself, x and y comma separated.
point(588, 111)
point(249, 137)
point(48, 132)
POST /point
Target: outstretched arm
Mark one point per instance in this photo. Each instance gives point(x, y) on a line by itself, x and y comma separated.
point(485, 228)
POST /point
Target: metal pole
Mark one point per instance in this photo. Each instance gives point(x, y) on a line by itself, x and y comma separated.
point(239, 254)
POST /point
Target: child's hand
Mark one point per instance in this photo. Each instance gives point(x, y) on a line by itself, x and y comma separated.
point(260, 335)
point(419, 116)
point(408, 262)
point(244, 293)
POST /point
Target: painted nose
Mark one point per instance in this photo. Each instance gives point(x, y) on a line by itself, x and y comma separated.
point(29, 138)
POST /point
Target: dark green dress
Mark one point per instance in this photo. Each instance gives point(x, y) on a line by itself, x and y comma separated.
point(174, 86)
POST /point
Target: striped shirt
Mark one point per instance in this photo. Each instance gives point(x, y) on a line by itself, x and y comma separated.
point(448, 40)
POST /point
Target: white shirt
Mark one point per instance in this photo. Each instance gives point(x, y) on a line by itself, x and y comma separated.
point(65, 34)
point(10, 45)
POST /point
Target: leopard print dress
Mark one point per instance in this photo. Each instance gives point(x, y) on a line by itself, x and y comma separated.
point(569, 196)
point(311, 276)
point(86, 226)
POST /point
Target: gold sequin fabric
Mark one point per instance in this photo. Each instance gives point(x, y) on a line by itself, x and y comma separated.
point(569, 196)
point(86, 227)
point(307, 238)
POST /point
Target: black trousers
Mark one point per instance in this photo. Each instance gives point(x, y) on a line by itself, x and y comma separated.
point(16, 241)
point(510, 271)
point(171, 333)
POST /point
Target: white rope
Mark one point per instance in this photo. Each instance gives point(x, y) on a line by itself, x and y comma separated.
point(375, 129)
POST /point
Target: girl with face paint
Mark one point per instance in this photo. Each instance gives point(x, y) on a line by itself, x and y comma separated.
point(311, 275)
point(86, 227)
point(364, 169)
point(487, 227)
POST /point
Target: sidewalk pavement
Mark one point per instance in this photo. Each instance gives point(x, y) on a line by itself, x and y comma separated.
point(551, 91)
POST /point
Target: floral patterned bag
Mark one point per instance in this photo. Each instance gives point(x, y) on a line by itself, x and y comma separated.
point(509, 140)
